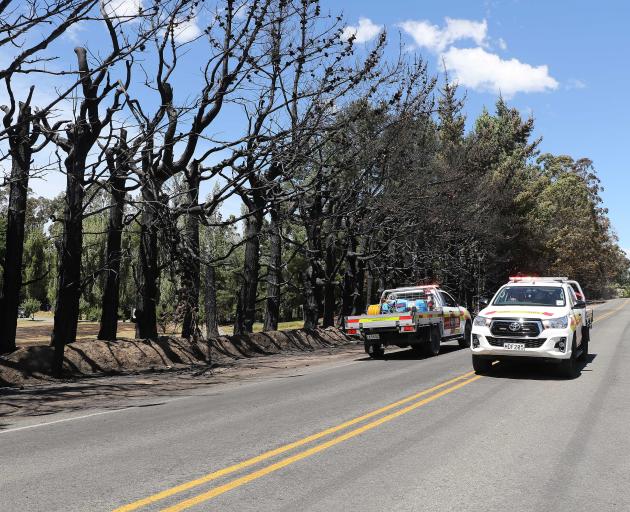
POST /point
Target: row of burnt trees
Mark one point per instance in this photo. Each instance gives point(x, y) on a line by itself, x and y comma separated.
point(278, 72)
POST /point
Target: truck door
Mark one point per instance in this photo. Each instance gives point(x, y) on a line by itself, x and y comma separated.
point(578, 314)
point(451, 315)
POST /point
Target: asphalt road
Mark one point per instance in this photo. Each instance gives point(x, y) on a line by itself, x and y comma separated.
point(397, 434)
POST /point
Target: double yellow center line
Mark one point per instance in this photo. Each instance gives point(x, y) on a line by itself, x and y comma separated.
point(610, 313)
point(415, 401)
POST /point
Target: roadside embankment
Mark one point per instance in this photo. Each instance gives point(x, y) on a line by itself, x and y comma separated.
point(95, 357)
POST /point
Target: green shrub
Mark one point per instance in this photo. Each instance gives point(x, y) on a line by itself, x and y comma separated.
point(30, 307)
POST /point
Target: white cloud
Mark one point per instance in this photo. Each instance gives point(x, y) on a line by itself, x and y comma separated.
point(187, 30)
point(74, 31)
point(438, 39)
point(502, 44)
point(121, 8)
point(575, 83)
point(483, 71)
point(364, 32)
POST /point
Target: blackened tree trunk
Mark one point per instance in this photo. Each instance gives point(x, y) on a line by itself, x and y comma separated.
point(69, 287)
point(210, 304)
point(349, 281)
point(191, 270)
point(369, 286)
point(358, 295)
point(246, 310)
point(118, 167)
point(20, 146)
point(148, 271)
point(274, 273)
point(312, 220)
point(81, 137)
point(329, 285)
point(312, 297)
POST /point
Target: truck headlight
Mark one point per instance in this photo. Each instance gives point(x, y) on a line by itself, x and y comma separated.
point(481, 321)
point(557, 323)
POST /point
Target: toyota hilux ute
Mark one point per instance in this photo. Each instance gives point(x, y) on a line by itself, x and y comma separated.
point(546, 318)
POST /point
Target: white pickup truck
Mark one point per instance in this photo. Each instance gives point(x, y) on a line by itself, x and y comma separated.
point(420, 317)
point(533, 317)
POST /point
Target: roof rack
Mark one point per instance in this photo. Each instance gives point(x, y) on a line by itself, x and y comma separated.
point(411, 288)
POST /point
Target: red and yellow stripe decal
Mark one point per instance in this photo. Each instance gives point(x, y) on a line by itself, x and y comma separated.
point(521, 312)
point(380, 319)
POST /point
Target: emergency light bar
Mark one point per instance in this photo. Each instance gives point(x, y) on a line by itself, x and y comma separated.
point(531, 279)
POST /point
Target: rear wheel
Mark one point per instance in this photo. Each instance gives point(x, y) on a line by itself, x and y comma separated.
point(431, 347)
point(585, 339)
point(465, 341)
point(375, 351)
point(481, 365)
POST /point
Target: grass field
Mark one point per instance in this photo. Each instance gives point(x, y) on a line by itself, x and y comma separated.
point(37, 332)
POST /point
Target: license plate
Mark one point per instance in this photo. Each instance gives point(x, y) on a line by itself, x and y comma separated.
point(373, 336)
point(514, 346)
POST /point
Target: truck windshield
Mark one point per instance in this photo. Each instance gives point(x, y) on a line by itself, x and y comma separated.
point(530, 296)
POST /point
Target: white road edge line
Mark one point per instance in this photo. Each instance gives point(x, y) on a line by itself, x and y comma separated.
point(64, 419)
point(35, 425)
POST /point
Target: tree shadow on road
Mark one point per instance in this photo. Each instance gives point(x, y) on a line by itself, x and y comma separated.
point(411, 355)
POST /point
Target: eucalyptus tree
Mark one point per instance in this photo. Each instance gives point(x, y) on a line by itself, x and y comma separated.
point(27, 29)
point(98, 91)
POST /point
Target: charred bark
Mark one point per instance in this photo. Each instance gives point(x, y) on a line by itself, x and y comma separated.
point(20, 146)
point(312, 296)
point(246, 310)
point(329, 284)
point(148, 271)
point(118, 167)
point(274, 272)
point(210, 304)
point(69, 287)
point(191, 270)
point(349, 280)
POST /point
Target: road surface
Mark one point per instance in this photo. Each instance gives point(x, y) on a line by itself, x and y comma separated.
point(399, 434)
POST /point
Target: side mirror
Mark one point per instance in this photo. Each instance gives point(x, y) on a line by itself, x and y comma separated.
point(580, 304)
point(483, 302)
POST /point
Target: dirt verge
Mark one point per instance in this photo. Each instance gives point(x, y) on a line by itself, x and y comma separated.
point(28, 365)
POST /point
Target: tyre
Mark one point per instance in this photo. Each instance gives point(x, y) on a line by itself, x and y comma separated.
point(585, 339)
point(373, 350)
point(481, 365)
point(568, 367)
point(465, 341)
point(431, 347)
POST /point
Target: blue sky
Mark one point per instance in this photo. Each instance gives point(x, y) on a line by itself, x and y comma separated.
point(566, 63)
point(585, 46)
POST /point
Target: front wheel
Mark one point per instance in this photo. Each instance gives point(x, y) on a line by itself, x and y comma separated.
point(481, 365)
point(431, 347)
point(465, 341)
point(568, 367)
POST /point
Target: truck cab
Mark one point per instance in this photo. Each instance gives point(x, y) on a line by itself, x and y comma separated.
point(546, 318)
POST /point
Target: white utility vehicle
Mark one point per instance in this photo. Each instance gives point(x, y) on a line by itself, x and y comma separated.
point(420, 317)
point(533, 317)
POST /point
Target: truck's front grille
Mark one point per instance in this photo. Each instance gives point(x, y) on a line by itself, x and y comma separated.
point(516, 327)
point(528, 342)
